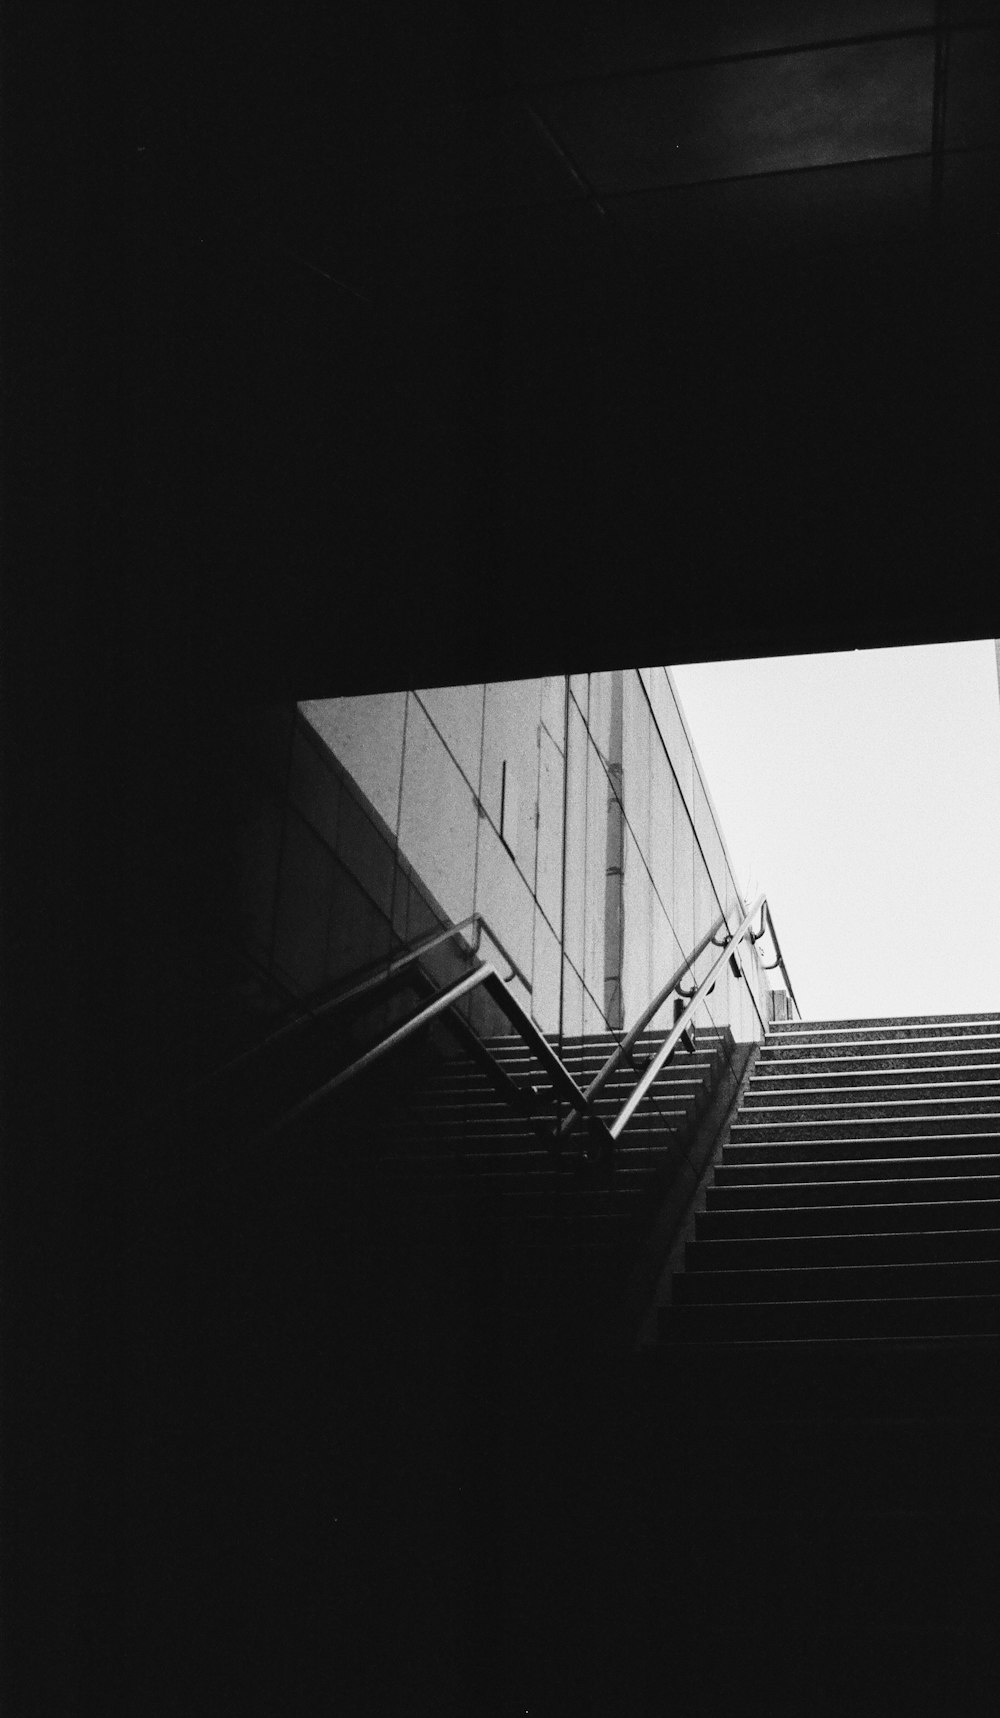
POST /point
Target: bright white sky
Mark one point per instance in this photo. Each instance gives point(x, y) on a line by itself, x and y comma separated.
point(861, 792)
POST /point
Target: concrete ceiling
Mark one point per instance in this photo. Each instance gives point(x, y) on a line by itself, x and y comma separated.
point(537, 337)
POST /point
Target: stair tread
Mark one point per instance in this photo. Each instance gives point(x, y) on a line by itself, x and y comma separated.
point(842, 1100)
point(855, 1197)
point(759, 1127)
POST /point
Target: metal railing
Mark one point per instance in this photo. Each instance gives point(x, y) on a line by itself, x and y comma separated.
point(383, 972)
point(681, 1024)
point(780, 962)
point(581, 1102)
point(681, 1028)
point(486, 975)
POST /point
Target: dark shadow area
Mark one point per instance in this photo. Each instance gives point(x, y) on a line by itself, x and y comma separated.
point(325, 370)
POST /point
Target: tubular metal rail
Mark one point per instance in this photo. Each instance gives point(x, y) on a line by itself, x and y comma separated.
point(307, 1014)
point(780, 961)
point(496, 986)
point(681, 1029)
point(582, 1103)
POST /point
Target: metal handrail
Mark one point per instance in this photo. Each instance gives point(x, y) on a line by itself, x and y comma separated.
point(486, 974)
point(680, 1025)
point(777, 949)
point(443, 1000)
point(581, 1102)
point(308, 1015)
point(625, 1047)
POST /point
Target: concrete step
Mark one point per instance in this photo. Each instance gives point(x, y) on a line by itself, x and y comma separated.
point(846, 1127)
point(849, 1147)
point(889, 1093)
point(767, 1167)
point(709, 1036)
point(623, 1081)
point(630, 1162)
point(909, 1023)
point(924, 1067)
point(939, 1045)
point(492, 1111)
point(455, 1085)
point(892, 1190)
point(872, 1248)
point(761, 1223)
point(854, 1282)
point(647, 1139)
point(889, 1106)
point(645, 1127)
point(812, 1320)
point(598, 1048)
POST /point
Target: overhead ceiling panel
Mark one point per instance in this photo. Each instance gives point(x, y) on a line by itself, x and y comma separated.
point(808, 109)
point(594, 38)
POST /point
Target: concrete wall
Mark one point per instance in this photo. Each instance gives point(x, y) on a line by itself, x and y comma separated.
point(414, 808)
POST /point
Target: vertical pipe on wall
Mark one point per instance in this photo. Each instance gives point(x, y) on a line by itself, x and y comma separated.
point(562, 909)
point(614, 896)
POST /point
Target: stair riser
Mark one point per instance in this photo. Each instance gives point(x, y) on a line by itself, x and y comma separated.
point(453, 1137)
point(822, 1146)
point(478, 1085)
point(498, 1119)
point(836, 1283)
point(912, 1217)
point(461, 1106)
point(433, 1142)
point(928, 1065)
point(886, 1097)
point(820, 1320)
point(703, 1057)
point(865, 1085)
point(963, 1015)
point(874, 1127)
point(853, 1193)
point(879, 1247)
point(886, 1055)
point(909, 1025)
point(596, 1055)
point(948, 1112)
point(711, 1037)
point(768, 1168)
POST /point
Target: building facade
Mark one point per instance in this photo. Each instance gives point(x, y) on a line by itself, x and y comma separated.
point(571, 813)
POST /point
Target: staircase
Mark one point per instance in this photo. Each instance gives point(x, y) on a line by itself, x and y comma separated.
point(825, 1392)
point(858, 1194)
point(790, 1503)
point(567, 1238)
